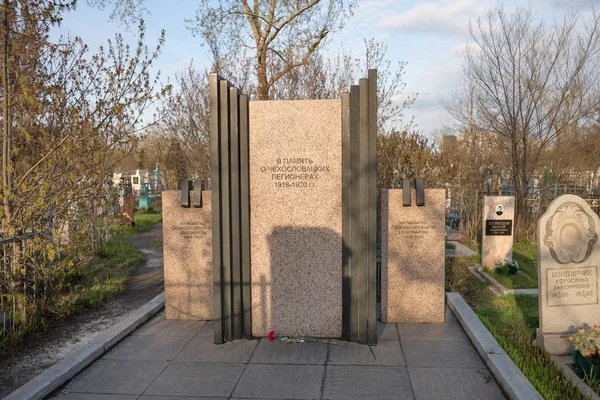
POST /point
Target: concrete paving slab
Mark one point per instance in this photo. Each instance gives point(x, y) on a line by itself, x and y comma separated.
point(159, 325)
point(152, 348)
point(92, 396)
point(450, 331)
point(278, 352)
point(116, 377)
point(202, 349)
point(281, 381)
point(387, 352)
point(197, 379)
point(366, 382)
point(431, 353)
point(454, 384)
point(449, 315)
point(387, 331)
point(180, 398)
point(208, 330)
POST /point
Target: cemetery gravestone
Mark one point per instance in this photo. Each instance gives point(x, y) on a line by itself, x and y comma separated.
point(497, 235)
point(128, 209)
point(568, 266)
point(412, 257)
point(187, 248)
point(296, 218)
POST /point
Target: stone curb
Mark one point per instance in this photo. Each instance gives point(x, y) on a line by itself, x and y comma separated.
point(497, 287)
point(55, 376)
point(503, 289)
point(508, 375)
point(575, 380)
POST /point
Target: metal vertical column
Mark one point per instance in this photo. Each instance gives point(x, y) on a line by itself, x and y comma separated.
point(225, 210)
point(236, 261)
point(359, 211)
point(363, 139)
point(372, 209)
point(354, 214)
point(230, 189)
point(346, 216)
point(215, 193)
point(245, 216)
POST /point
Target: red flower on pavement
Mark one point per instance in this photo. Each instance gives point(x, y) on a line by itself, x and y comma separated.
point(272, 336)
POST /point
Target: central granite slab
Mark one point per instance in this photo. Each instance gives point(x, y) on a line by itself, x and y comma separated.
point(296, 219)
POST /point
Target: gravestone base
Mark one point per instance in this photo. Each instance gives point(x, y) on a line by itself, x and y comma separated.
point(554, 343)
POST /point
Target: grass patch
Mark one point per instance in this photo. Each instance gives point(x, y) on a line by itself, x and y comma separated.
point(471, 244)
point(512, 320)
point(525, 253)
point(88, 280)
point(106, 275)
point(517, 281)
point(450, 245)
point(118, 259)
point(144, 221)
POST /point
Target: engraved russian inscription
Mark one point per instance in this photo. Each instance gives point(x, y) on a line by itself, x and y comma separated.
point(572, 286)
point(295, 172)
point(413, 229)
point(191, 229)
point(498, 227)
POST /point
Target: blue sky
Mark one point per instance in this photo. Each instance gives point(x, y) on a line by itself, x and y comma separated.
point(430, 35)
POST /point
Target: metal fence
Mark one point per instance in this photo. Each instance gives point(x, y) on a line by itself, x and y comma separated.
point(467, 207)
point(26, 280)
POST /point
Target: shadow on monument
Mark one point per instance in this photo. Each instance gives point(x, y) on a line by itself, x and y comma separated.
point(191, 294)
point(304, 294)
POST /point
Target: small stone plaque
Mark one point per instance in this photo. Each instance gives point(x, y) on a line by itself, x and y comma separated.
point(577, 286)
point(498, 227)
point(412, 257)
point(187, 247)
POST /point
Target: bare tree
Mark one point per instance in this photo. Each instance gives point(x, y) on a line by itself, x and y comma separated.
point(281, 34)
point(324, 78)
point(526, 83)
point(184, 119)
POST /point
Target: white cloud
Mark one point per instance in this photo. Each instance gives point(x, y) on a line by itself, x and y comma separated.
point(568, 3)
point(435, 17)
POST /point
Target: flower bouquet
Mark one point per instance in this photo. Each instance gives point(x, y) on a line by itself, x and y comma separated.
point(587, 351)
point(506, 266)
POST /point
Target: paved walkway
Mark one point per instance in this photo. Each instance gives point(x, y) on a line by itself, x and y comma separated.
point(167, 359)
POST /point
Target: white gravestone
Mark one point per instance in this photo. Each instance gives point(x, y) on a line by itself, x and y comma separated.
point(568, 266)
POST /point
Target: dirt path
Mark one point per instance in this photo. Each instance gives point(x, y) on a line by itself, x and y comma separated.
point(46, 348)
